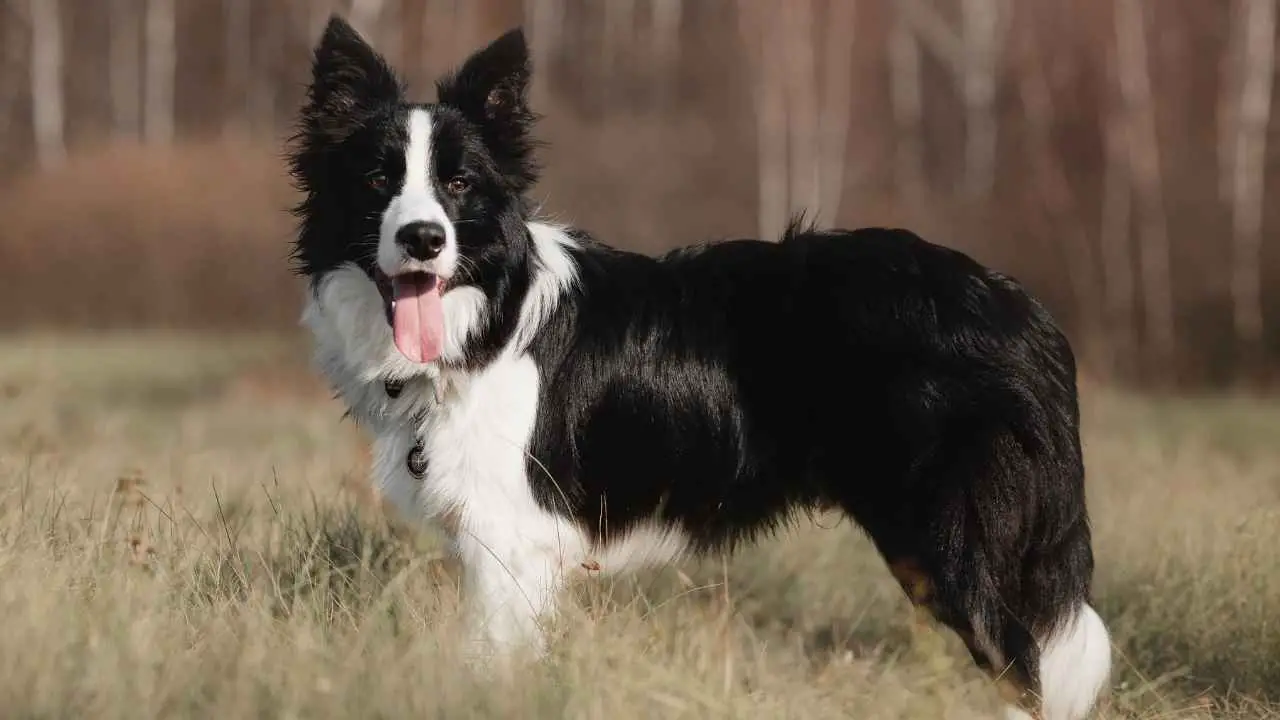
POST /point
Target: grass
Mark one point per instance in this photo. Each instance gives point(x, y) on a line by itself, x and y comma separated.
point(184, 532)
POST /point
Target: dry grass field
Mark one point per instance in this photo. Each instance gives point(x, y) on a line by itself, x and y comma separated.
point(183, 534)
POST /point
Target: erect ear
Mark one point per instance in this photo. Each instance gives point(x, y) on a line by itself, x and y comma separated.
point(491, 90)
point(350, 82)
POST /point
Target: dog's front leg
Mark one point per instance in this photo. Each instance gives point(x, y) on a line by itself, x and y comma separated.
point(511, 578)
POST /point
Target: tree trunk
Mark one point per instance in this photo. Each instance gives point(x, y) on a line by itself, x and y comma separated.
point(837, 98)
point(619, 27)
point(158, 108)
point(758, 23)
point(545, 20)
point(664, 45)
point(237, 48)
point(1226, 119)
point(12, 76)
point(262, 92)
point(125, 72)
point(801, 86)
point(1254, 115)
point(1144, 163)
point(981, 39)
point(1117, 259)
point(907, 101)
point(47, 109)
point(1054, 191)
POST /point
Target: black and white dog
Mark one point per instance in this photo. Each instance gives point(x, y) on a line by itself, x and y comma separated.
point(562, 405)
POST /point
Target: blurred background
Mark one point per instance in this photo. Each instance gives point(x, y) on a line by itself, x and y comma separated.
point(1117, 156)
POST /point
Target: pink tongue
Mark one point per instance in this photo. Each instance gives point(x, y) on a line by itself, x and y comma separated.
point(418, 322)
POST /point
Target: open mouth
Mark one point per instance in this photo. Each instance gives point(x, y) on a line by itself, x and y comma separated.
point(415, 312)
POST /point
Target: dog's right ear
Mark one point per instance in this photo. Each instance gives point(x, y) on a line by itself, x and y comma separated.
point(350, 82)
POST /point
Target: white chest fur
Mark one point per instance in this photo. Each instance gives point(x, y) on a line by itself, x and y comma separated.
point(476, 444)
point(477, 452)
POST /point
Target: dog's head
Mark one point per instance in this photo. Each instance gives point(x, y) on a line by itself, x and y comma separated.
point(425, 199)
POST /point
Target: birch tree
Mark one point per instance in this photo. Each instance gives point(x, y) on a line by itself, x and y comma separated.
point(237, 49)
point(983, 23)
point(664, 47)
point(801, 86)
point(1054, 191)
point(264, 50)
point(759, 25)
point(1118, 282)
point(837, 100)
point(125, 67)
point(545, 21)
point(1257, 68)
point(907, 102)
point(12, 76)
point(618, 33)
point(161, 61)
point(971, 56)
point(47, 103)
point(1144, 167)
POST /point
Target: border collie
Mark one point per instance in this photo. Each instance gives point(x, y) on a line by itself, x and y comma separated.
point(561, 406)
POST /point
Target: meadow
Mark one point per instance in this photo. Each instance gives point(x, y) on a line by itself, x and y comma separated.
point(185, 530)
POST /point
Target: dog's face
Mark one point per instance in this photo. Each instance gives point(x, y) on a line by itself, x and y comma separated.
point(423, 198)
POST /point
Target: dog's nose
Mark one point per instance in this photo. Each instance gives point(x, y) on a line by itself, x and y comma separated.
point(421, 240)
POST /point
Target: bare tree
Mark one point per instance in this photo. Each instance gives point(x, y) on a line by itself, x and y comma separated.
point(907, 101)
point(802, 105)
point(237, 48)
point(263, 86)
point(1253, 116)
point(48, 109)
point(1144, 166)
point(971, 56)
point(12, 46)
point(158, 106)
point(837, 99)
point(618, 35)
point(664, 35)
point(759, 25)
point(1054, 191)
point(1229, 100)
point(545, 20)
point(982, 38)
point(125, 72)
point(1116, 250)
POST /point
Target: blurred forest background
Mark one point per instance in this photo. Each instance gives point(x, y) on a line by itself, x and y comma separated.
point(1117, 156)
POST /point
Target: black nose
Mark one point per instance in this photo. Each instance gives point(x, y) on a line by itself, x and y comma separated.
point(421, 240)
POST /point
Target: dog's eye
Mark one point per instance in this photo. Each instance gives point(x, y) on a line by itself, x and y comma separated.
point(378, 181)
point(459, 185)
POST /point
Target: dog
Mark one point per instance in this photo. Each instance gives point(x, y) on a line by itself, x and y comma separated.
point(558, 404)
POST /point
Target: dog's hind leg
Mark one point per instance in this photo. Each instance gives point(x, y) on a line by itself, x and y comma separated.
point(1002, 556)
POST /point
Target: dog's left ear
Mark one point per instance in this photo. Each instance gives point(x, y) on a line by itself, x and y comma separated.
point(491, 90)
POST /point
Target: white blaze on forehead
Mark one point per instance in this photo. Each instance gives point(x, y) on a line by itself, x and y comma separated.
point(417, 157)
point(416, 202)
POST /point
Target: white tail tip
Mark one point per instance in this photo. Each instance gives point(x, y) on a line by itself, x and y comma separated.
point(1075, 666)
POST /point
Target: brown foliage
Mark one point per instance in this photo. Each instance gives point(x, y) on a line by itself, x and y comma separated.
point(124, 235)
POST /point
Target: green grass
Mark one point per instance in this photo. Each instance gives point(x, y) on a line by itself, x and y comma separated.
point(183, 532)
